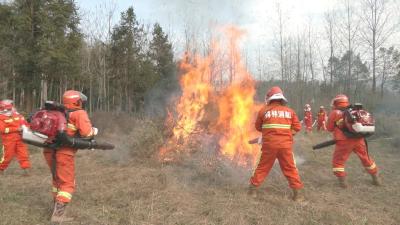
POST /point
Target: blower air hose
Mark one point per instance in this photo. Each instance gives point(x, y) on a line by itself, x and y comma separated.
point(83, 143)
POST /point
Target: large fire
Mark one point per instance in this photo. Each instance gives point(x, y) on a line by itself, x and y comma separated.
point(219, 79)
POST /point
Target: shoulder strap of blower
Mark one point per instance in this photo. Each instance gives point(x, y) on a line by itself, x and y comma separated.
point(67, 113)
point(344, 129)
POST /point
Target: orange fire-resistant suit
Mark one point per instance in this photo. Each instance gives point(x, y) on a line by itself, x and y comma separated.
point(10, 130)
point(64, 177)
point(321, 120)
point(277, 123)
point(308, 120)
point(345, 146)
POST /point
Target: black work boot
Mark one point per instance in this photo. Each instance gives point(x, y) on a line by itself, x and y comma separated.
point(298, 195)
point(342, 182)
point(26, 172)
point(58, 215)
point(376, 180)
point(252, 191)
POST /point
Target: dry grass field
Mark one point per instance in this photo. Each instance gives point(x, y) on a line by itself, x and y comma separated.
point(129, 186)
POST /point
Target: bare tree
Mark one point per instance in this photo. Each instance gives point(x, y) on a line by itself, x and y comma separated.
point(387, 60)
point(349, 29)
point(311, 47)
point(281, 39)
point(330, 30)
point(379, 24)
point(98, 24)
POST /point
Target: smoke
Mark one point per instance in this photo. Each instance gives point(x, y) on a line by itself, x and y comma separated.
point(201, 13)
point(159, 98)
point(193, 21)
point(205, 166)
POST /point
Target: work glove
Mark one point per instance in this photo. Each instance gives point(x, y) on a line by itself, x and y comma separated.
point(95, 131)
point(22, 128)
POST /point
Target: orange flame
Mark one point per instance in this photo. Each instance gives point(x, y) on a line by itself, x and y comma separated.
point(195, 95)
point(237, 110)
point(233, 95)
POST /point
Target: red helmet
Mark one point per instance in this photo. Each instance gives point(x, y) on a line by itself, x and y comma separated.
point(340, 101)
point(275, 93)
point(74, 99)
point(6, 105)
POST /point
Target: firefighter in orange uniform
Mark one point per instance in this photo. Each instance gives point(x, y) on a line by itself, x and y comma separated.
point(321, 119)
point(345, 145)
point(11, 123)
point(61, 161)
point(308, 120)
point(278, 123)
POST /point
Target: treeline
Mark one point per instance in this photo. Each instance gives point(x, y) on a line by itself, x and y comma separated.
point(130, 66)
point(352, 53)
point(44, 52)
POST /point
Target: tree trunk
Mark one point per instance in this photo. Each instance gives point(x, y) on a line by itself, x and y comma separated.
point(373, 62)
point(43, 91)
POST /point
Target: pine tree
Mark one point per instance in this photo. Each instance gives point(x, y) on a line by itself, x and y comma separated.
point(126, 56)
point(161, 52)
point(6, 50)
point(46, 47)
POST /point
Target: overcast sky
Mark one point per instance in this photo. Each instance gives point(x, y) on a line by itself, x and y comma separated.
point(257, 17)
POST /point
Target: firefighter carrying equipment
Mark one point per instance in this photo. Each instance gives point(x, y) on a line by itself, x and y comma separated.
point(345, 145)
point(62, 161)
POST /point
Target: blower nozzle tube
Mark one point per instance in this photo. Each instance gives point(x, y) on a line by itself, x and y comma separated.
point(84, 143)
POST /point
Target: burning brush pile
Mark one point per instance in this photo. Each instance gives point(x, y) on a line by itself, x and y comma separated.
point(216, 110)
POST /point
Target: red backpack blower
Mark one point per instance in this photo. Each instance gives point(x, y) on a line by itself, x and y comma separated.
point(47, 129)
point(357, 123)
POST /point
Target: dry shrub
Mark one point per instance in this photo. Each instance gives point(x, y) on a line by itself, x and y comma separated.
point(387, 125)
point(135, 138)
point(396, 142)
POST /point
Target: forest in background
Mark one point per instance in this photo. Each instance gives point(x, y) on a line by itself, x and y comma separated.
point(45, 50)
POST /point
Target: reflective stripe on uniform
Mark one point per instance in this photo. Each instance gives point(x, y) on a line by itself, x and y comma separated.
point(276, 125)
point(64, 194)
point(71, 126)
point(338, 169)
point(294, 161)
point(8, 121)
point(54, 190)
point(72, 96)
point(339, 122)
point(2, 154)
point(7, 130)
point(373, 166)
point(16, 118)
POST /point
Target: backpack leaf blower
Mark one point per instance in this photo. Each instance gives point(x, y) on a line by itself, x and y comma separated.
point(47, 129)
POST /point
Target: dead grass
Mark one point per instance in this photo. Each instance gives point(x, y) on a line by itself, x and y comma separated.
point(129, 186)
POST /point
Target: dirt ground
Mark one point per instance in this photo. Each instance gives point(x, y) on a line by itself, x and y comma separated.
point(129, 186)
